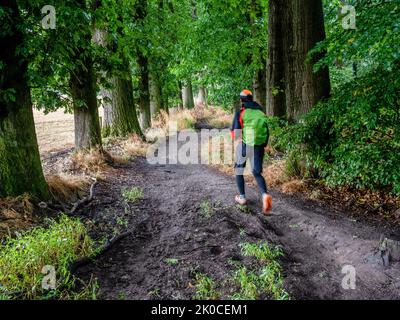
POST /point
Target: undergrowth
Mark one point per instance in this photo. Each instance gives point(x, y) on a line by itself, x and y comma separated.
point(133, 194)
point(24, 259)
point(263, 280)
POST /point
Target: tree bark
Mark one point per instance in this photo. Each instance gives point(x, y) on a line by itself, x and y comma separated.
point(202, 97)
point(276, 59)
point(295, 27)
point(156, 97)
point(123, 110)
point(260, 85)
point(144, 93)
point(304, 88)
point(86, 114)
point(180, 89)
point(187, 96)
point(20, 167)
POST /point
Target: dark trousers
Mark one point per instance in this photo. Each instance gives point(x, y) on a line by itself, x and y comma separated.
point(256, 156)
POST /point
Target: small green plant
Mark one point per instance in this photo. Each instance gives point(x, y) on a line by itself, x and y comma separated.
point(261, 251)
point(205, 288)
point(122, 222)
point(121, 296)
point(258, 281)
point(154, 293)
point(133, 194)
point(22, 261)
point(248, 282)
point(207, 209)
point(172, 261)
point(244, 209)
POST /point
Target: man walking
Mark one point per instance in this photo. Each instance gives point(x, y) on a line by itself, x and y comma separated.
point(250, 130)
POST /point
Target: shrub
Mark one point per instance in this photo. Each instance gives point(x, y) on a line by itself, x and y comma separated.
point(354, 138)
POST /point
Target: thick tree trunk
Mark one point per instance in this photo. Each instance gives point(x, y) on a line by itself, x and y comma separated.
point(187, 96)
point(86, 114)
point(20, 167)
point(304, 88)
point(276, 60)
point(202, 97)
point(295, 27)
point(144, 93)
point(123, 110)
point(260, 85)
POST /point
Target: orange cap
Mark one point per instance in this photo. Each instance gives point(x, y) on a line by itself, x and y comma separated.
point(246, 92)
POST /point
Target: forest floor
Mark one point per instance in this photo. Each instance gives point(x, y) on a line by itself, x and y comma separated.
point(173, 238)
point(187, 224)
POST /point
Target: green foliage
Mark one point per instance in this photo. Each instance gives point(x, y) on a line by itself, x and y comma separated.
point(374, 42)
point(172, 261)
point(205, 288)
point(133, 194)
point(22, 260)
point(264, 280)
point(261, 251)
point(354, 138)
point(206, 208)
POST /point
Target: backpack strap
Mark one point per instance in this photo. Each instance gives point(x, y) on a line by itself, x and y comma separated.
point(241, 116)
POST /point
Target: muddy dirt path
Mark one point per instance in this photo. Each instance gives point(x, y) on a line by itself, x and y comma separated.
point(169, 223)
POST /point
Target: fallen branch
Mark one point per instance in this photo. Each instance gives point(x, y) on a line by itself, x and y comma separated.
point(86, 260)
point(84, 200)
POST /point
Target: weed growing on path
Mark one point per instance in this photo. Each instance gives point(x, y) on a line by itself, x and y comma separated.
point(172, 261)
point(132, 195)
point(207, 209)
point(205, 288)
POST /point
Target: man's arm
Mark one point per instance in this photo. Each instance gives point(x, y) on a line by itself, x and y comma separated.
point(236, 125)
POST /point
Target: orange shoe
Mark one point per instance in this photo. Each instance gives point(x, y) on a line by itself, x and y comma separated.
point(267, 203)
point(241, 201)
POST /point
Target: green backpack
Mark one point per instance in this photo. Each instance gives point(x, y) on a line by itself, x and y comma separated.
point(255, 127)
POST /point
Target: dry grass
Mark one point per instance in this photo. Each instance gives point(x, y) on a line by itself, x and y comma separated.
point(67, 188)
point(134, 146)
point(294, 186)
point(16, 214)
point(220, 119)
point(94, 161)
point(275, 174)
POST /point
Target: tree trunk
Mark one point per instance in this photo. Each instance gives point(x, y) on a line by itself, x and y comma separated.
point(187, 96)
point(260, 85)
point(123, 110)
point(156, 98)
point(202, 97)
point(276, 60)
point(20, 167)
point(295, 27)
point(86, 114)
point(106, 102)
point(304, 88)
point(144, 93)
point(180, 89)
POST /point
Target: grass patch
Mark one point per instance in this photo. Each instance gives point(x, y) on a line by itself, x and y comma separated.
point(22, 261)
point(132, 195)
point(264, 280)
point(205, 288)
point(207, 209)
point(172, 261)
